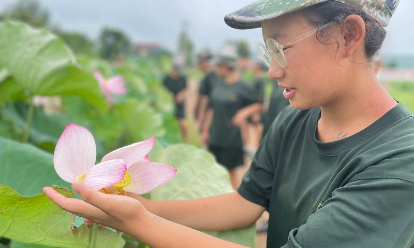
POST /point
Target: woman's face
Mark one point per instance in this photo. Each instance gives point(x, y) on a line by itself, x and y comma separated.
point(313, 73)
point(221, 70)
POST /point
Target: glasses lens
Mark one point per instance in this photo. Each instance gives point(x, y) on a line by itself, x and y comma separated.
point(274, 50)
point(265, 54)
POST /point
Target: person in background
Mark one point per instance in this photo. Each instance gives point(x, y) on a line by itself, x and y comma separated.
point(275, 104)
point(176, 83)
point(231, 103)
point(258, 68)
point(206, 85)
point(335, 168)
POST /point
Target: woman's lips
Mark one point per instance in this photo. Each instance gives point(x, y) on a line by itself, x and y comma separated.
point(289, 92)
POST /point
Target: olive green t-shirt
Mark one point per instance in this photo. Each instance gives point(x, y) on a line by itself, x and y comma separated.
point(207, 84)
point(175, 85)
point(226, 100)
point(258, 86)
point(355, 192)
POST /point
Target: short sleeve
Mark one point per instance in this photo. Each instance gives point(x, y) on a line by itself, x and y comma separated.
point(203, 90)
point(363, 213)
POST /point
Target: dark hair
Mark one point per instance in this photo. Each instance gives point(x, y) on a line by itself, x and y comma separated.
point(336, 12)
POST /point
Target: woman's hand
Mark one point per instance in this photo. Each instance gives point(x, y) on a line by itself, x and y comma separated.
point(239, 119)
point(116, 211)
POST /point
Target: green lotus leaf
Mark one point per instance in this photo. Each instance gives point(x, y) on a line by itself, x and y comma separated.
point(41, 63)
point(11, 91)
point(26, 168)
point(198, 176)
point(45, 130)
point(4, 74)
point(37, 220)
point(141, 121)
point(172, 130)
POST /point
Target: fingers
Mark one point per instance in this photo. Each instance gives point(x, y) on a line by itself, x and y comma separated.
point(90, 223)
point(74, 206)
point(133, 195)
point(107, 204)
point(91, 196)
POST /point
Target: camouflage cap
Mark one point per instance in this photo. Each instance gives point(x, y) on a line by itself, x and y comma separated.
point(229, 61)
point(252, 15)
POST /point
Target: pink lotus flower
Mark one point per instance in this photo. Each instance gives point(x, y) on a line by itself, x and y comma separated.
point(112, 86)
point(125, 169)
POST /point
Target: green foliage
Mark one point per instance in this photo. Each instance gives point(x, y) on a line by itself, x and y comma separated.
point(37, 220)
point(16, 244)
point(403, 91)
point(198, 176)
point(28, 11)
point(45, 130)
point(39, 62)
point(11, 91)
point(141, 121)
point(193, 134)
point(172, 130)
point(243, 49)
point(113, 42)
point(26, 169)
point(77, 42)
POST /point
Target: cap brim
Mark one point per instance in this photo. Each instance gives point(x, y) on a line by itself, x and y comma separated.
point(254, 14)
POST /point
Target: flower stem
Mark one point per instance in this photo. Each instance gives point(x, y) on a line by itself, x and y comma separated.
point(94, 235)
point(29, 120)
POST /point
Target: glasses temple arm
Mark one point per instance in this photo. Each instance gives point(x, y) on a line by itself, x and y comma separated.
point(305, 35)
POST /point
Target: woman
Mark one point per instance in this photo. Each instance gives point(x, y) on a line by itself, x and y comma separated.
point(231, 103)
point(335, 170)
point(206, 85)
point(176, 83)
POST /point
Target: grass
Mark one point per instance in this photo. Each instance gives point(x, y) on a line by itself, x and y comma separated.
point(402, 91)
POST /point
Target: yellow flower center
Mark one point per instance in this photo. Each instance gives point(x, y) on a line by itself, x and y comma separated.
point(81, 178)
point(113, 190)
point(124, 182)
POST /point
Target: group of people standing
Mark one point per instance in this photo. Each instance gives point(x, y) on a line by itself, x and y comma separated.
point(226, 106)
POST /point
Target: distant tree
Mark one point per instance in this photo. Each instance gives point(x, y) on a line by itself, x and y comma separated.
point(28, 11)
point(76, 41)
point(113, 42)
point(243, 49)
point(185, 45)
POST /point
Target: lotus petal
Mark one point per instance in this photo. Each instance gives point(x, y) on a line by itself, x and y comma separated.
point(75, 153)
point(116, 85)
point(146, 176)
point(146, 159)
point(99, 77)
point(106, 174)
point(133, 153)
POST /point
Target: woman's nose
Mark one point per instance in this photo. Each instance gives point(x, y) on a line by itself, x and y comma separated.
point(275, 70)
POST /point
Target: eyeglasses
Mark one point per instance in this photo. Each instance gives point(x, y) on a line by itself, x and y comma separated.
point(273, 50)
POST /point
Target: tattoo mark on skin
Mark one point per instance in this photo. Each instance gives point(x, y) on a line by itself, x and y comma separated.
point(342, 135)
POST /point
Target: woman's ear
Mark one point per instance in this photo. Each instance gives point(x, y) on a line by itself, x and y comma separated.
point(354, 34)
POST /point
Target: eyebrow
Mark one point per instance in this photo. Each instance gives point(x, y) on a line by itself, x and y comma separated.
point(277, 35)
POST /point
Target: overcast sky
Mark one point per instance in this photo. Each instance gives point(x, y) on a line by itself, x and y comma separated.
point(161, 21)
